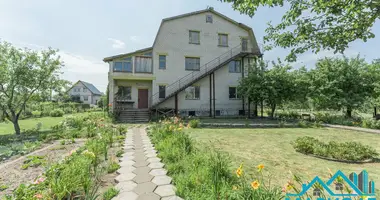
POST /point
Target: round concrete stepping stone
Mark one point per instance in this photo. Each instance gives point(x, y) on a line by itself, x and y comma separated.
point(151, 160)
point(165, 190)
point(158, 172)
point(126, 186)
point(144, 188)
point(172, 198)
point(162, 180)
point(126, 195)
point(156, 165)
point(125, 177)
point(142, 178)
point(149, 196)
point(125, 169)
point(142, 170)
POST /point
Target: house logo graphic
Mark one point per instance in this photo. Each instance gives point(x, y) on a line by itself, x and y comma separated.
point(360, 186)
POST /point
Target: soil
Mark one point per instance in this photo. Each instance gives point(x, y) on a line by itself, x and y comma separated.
point(12, 175)
point(108, 180)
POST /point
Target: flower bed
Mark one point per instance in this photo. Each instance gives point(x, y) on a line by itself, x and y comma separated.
point(345, 152)
point(81, 174)
point(202, 172)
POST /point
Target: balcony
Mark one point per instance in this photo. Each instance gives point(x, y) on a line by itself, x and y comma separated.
point(133, 68)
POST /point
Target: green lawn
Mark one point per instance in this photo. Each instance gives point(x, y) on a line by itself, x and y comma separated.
point(272, 147)
point(47, 123)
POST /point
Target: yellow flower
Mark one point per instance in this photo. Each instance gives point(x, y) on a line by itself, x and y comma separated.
point(234, 187)
point(260, 167)
point(88, 153)
point(179, 129)
point(255, 185)
point(239, 171)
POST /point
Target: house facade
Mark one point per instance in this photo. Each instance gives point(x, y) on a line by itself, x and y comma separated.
point(85, 92)
point(193, 67)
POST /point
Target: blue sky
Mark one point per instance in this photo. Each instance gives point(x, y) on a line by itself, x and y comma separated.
point(86, 31)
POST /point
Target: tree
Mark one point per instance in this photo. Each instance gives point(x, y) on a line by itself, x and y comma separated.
point(316, 24)
point(279, 85)
point(23, 73)
point(341, 83)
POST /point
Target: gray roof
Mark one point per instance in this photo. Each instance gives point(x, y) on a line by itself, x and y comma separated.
point(127, 54)
point(91, 87)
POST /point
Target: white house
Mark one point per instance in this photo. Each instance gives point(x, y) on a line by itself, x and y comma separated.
point(193, 67)
point(85, 92)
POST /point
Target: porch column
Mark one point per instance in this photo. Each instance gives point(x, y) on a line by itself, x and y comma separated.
point(176, 104)
point(213, 92)
point(210, 96)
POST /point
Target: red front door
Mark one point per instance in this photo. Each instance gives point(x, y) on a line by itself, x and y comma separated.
point(143, 98)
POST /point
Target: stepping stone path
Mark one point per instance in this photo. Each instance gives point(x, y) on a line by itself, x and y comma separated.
point(142, 176)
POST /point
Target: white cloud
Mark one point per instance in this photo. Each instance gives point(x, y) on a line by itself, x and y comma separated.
point(117, 44)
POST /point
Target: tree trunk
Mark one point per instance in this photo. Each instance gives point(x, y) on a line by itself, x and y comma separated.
point(16, 125)
point(262, 108)
point(273, 109)
point(349, 112)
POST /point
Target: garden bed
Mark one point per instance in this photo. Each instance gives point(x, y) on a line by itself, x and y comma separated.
point(12, 175)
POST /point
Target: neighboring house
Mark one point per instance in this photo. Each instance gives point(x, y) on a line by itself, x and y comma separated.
point(85, 92)
point(193, 67)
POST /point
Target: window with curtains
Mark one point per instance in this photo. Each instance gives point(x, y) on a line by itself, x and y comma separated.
point(233, 93)
point(161, 90)
point(192, 64)
point(234, 66)
point(143, 64)
point(194, 37)
point(223, 40)
point(192, 93)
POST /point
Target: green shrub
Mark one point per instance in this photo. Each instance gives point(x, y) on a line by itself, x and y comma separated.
point(202, 172)
point(303, 124)
point(36, 113)
point(3, 187)
point(33, 161)
point(194, 123)
point(57, 113)
point(110, 193)
point(119, 153)
point(346, 151)
point(112, 167)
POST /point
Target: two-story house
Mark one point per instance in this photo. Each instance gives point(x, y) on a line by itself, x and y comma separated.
point(85, 92)
point(192, 69)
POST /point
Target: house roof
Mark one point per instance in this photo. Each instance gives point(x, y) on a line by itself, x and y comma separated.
point(89, 86)
point(249, 29)
point(127, 54)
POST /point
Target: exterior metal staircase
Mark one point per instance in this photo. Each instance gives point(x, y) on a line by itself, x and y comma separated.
point(186, 81)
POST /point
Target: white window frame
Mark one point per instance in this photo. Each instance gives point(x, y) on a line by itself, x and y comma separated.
point(237, 96)
point(220, 41)
point(196, 64)
point(209, 19)
point(191, 93)
point(232, 66)
point(191, 38)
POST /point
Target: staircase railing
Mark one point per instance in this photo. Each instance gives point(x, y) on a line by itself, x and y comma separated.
point(179, 84)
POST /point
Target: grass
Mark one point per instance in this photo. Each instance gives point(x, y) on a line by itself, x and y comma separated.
point(47, 123)
point(239, 120)
point(272, 147)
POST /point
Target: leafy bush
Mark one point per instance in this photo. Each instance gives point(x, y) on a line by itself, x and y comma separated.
point(194, 123)
point(110, 193)
point(33, 161)
point(119, 153)
point(112, 167)
point(57, 113)
point(346, 151)
point(203, 173)
point(371, 123)
point(36, 113)
point(287, 115)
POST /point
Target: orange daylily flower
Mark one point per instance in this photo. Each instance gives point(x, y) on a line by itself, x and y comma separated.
point(255, 185)
point(260, 167)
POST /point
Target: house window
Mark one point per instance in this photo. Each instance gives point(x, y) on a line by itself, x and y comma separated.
point(162, 62)
point(192, 92)
point(194, 37)
point(317, 192)
point(161, 91)
point(208, 18)
point(232, 93)
point(123, 66)
point(85, 98)
point(124, 92)
point(223, 40)
point(143, 64)
point(338, 186)
point(192, 64)
point(234, 66)
point(84, 89)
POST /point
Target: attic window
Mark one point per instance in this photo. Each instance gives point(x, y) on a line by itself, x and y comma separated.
point(208, 18)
